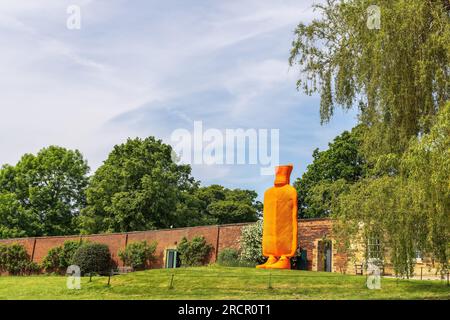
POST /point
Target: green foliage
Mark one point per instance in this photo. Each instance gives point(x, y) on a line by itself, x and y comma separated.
point(251, 243)
point(221, 283)
point(138, 187)
point(228, 257)
point(58, 259)
point(329, 173)
point(409, 211)
point(93, 258)
point(14, 259)
point(398, 75)
point(216, 204)
point(194, 252)
point(43, 193)
point(139, 254)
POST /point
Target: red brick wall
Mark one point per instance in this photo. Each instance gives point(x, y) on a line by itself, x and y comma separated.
point(43, 245)
point(220, 237)
point(309, 230)
point(169, 238)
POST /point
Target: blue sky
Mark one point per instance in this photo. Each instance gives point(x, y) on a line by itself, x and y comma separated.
point(140, 68)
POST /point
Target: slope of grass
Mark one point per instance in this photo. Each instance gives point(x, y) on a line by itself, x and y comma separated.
point(214, 282)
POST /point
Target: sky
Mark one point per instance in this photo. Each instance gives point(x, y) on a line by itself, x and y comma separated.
point(146, 68)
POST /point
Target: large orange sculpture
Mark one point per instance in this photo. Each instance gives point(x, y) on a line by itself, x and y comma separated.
point(280, 221)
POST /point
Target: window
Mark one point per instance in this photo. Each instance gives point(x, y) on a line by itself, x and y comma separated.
point(374, 248)
point(419, 256)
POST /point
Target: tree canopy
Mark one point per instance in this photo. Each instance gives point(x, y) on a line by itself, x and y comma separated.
point(43, 193)
point(397, 75)
point(139, 187)
point(220, 205)
point(342, 160)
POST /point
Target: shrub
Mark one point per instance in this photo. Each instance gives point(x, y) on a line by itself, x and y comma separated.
point(14, 259)
point(228, 257)
point(194, 252)
point(251, 243)
point(58, 259)
point(138, 254)
point(92, 258)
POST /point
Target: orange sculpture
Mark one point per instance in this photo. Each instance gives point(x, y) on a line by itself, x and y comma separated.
point(280, 221)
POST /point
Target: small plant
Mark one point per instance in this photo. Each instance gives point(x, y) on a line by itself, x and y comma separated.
point(194, 252)
point(93, 258)
point(14, 259)
point(58, 259)
point(138, 255)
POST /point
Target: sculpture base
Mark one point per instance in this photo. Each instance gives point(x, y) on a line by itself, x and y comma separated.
point(269, 262)
point(283, 263)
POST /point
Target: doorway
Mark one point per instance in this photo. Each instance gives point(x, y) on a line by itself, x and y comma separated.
point(324, 256)
point(328, 256)
point(172, 259)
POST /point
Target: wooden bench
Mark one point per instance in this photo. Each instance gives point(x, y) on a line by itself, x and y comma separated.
point(359, 269)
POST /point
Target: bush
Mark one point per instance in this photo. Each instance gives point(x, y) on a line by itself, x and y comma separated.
point(92, 258)
point(228, 257)
point(251, 244)
point(138, 255)
point(58, 259)
point(194, 252)
point(14, 259)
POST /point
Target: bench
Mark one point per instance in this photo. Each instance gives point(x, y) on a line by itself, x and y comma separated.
point(359, 269)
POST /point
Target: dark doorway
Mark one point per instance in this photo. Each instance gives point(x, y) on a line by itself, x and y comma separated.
point(328, 256)
point(172, 260)
point(324, 256)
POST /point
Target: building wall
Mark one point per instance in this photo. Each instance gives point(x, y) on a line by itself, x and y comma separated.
point(311, 231)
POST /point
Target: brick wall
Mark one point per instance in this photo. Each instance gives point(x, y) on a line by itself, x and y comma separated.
point(225, 236)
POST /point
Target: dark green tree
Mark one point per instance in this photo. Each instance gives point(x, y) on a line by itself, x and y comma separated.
point(43, 193)
point(342, 162)
point(220, 205)
point(138, 187)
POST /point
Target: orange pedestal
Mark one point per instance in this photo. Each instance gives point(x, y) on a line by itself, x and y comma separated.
point(280, 221)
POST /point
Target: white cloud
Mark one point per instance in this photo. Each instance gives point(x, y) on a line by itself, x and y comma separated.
point(136, 59)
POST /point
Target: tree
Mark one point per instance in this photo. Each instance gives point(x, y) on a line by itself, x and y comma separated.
point(138, 187)
point(220, 205)
point(341, 163)
point(43, 194)
point(398, 75)
point(410, 211)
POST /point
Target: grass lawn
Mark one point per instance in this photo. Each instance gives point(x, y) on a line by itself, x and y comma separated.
point(214, 282)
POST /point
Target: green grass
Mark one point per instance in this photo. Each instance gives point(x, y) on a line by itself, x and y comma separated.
point(214, 282)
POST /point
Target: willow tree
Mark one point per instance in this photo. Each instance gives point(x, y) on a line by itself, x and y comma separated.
point(409, 212)
point(390, 59)
point(396, 73)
